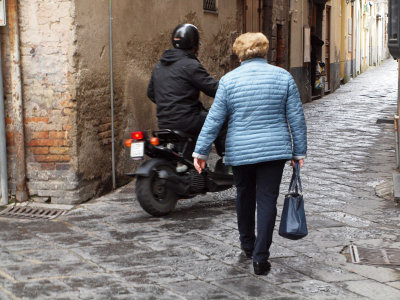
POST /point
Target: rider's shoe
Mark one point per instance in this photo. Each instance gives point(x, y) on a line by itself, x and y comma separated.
point(180, 167)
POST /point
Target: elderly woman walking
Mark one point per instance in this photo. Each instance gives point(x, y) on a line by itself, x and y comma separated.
point(266, 128)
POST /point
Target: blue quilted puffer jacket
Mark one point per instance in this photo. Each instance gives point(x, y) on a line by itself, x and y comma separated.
point(266, 119)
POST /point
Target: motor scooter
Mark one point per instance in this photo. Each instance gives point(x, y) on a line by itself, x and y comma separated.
point(169, 174)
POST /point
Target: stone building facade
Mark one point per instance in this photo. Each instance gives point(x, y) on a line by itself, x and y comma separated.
point(65, 77)
point(65, 155)
point(354, 36)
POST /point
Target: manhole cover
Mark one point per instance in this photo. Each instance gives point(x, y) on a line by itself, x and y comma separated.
point(36, 212)
point(368, 256)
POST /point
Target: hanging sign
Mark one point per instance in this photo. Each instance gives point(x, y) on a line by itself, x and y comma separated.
point(3, 18)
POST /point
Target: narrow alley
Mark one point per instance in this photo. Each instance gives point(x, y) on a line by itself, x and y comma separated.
point(109, 248)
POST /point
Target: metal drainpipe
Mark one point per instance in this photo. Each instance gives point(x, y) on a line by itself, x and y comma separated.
point(112, 95)
point(396, 119)
point(17, 103)
point(3, 149)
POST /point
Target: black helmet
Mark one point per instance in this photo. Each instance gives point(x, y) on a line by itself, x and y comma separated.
point(185, 36)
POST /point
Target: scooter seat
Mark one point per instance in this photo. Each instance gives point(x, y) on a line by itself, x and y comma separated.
point(173, 134)
point(183, 134)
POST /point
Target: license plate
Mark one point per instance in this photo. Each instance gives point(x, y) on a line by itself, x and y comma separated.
point(137, 150)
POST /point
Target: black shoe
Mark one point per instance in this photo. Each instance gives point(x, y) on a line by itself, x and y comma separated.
point(248, 252)
point(261, 268)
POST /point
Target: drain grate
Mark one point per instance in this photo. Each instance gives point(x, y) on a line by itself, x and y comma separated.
point(32, 212)
point(385, 121)
point(368, 256)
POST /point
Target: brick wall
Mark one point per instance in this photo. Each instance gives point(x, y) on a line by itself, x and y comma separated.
point(47, 49)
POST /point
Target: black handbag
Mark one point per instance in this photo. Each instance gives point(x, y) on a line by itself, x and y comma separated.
point(293, 224)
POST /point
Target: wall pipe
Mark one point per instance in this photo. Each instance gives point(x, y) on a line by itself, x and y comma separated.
point(112, 96)
point(3, 146)
point(17, 103)
point(397, 121)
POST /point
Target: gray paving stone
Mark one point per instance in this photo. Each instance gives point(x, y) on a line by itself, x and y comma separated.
point(280, 274)
point(152, 292)
point(253, 288)
point(315, 289)
point(34, 271)
point(114, 257)
point(318, 270)
point(321, 221)
point(372, 289)
point(210, 270)
point(41, 289)
point(376, 273)
point(8, 257)
point(172, 241)
point(395, 284)
point(197, 289)
point(4, 295)
point(76, 239)
point(104, 286)
point(162, 275)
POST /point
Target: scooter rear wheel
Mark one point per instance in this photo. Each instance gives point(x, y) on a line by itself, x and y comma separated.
point(154, 195)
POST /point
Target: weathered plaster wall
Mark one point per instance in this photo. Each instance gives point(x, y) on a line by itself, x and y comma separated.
point(336, 41)
point(299, 70)
point(48, 72)
point(93, 95)
point(141, 32)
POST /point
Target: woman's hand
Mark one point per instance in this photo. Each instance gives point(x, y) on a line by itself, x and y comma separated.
point(301, 162)
point(199, 164)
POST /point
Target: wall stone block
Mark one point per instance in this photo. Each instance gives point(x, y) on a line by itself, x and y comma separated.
point(59, 150)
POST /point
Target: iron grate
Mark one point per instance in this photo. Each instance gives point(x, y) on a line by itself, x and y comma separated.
point(32, 212)
point(210, 5)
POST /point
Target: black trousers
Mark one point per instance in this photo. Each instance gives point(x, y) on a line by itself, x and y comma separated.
point(194, 128)
point(257, 186)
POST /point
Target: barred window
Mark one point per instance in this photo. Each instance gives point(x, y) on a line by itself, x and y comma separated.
point(210, 5)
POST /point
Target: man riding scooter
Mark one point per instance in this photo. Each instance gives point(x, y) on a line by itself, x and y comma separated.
point(175, 86)
point(169, 173)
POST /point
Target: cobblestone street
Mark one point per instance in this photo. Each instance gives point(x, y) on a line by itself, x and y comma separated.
point(109, 248)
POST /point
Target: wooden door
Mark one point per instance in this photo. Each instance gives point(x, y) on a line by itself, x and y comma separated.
point(280, 46)
point(252, 16)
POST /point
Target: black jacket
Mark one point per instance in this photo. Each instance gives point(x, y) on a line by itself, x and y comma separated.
point(175, 85)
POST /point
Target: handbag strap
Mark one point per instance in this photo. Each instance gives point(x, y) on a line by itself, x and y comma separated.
point(295, 183)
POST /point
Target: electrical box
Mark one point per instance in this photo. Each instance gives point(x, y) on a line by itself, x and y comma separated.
point(394, 28)
point(3, 18)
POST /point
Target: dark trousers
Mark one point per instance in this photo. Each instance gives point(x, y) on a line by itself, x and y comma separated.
point(257, 185)
point(197, 122)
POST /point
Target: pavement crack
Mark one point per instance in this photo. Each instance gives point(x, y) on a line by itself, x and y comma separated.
point(7, 276)
point(7, 292)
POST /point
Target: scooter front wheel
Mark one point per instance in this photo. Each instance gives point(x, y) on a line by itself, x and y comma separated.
point(153, 193)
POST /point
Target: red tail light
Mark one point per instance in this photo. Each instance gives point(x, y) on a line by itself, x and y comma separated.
point(137, 135)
